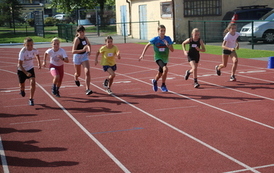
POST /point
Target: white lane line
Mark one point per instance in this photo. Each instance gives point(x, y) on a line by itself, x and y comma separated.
point(182, 132)
point(109, 154)
point(39, 121)
point(3, 158)
point(206, 104)
point(227, 103)
point(109, 114)
point(189, 136)
point(119, 164)
point(257, 167)
point(183, 107)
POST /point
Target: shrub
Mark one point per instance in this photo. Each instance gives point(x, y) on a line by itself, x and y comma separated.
point(30, 22)
point(50, 21)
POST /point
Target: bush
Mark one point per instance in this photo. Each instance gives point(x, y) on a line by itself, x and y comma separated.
point(30, 22)
point(50, 21)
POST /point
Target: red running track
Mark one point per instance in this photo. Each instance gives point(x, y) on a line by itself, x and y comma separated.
point(220, 127)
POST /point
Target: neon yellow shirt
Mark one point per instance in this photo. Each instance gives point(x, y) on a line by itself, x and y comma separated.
point(108, 55)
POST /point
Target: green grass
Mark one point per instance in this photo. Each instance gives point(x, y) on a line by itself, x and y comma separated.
point(7, 34)
point(242, 53)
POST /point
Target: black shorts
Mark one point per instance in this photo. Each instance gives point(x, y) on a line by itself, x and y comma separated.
point(226, 52)
point(161, 64)
point(194, 58)
point(22, 76)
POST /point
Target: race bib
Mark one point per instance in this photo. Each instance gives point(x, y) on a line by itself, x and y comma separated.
point(161, 49)
point(194, 45)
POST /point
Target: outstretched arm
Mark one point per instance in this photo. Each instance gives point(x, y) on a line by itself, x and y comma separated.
point(144, 51)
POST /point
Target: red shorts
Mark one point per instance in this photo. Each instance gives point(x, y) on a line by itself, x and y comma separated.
point(57, 70)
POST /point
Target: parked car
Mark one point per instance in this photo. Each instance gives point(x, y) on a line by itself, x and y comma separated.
point(263, 29)
point(252, 12)
point(60, 16)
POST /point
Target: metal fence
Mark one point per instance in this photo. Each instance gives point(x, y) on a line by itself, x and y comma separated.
point(66, 31)
point(140, 30)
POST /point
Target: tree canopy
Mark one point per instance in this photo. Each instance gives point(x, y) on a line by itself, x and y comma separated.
point(71, 5)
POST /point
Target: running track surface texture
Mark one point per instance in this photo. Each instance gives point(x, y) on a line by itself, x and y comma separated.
point(222, 126)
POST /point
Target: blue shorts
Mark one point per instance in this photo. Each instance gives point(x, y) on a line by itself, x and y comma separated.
point(105, 67)
point(79, 58)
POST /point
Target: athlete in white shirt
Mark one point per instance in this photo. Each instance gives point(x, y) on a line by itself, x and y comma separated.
point(57, 58)
point(230, 44)
point(26, 67)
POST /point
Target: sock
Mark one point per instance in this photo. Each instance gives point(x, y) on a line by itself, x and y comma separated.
point(57, 88)
point(195, 80)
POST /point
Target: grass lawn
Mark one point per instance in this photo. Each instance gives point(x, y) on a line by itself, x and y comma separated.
point(242, 53)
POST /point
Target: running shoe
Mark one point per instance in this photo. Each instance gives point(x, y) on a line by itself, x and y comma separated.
point(105, 84)
point(217, 70)
point(163, 88)
point(232, 78)
point(109, 91)
point(31, 102)
point(187, 75)
point(77, 82)
point(88, 92)
point(57, 94)
point(22, 93)
point(155, 86)
point(196, 85)
point(53, 91)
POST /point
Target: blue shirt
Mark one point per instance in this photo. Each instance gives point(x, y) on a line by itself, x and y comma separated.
point(161, 51)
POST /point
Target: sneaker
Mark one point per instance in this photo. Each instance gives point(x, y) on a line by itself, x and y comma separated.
point(77, 82)
point(31, 103)
point(217, 71)
point(164, 89)
point(53, 91)
point(105, 84)
point(187, 75)
point(88, 92)
point(57, 94)
point(196, 85)
point(232, 78)
point(155, 86)
point(109, 91)
point(22, 93)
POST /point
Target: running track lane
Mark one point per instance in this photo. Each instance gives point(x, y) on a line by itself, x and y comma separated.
point(142, 96)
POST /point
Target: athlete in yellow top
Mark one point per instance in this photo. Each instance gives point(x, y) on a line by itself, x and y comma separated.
point(109, 52)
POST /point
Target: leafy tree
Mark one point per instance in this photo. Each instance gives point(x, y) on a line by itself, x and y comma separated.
point(66, 6)
point(10, 10)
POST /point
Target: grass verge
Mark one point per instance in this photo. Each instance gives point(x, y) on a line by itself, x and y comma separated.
point(242, 53)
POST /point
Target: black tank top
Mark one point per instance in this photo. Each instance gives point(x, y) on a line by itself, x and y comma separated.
point(82, 44)
point(192, 44)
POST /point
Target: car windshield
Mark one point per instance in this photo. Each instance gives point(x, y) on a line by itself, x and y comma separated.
point(268, 16)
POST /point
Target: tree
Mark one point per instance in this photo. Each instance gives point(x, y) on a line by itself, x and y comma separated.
point(10, 11)
point(66, 6)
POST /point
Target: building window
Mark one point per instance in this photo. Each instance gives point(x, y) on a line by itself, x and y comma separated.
point(166, 9)
point(193, 8)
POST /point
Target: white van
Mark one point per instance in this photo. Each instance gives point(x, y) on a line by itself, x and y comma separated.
point(262, 30)
point(60, 16)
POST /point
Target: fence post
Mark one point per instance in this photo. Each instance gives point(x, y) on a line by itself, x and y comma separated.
point(204, 32)
point(124, 32)
point(252, 34)
point(189, 34)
